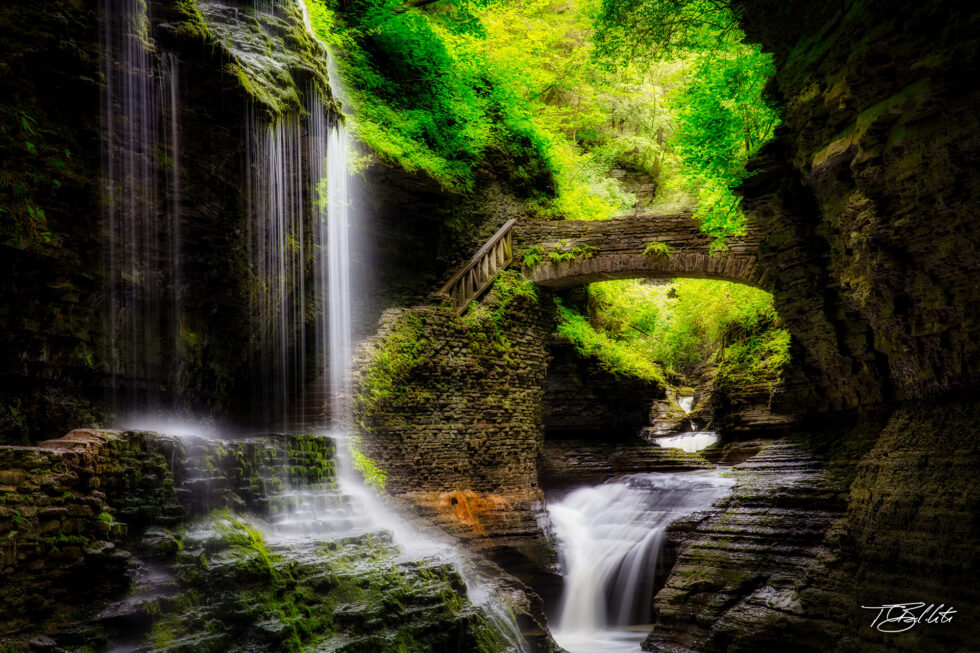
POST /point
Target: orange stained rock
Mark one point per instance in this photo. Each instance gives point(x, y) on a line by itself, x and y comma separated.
point(467, 507)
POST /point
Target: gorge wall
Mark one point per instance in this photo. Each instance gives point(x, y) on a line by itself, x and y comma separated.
point(867, 196)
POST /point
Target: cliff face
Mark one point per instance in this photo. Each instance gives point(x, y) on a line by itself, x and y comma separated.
point(822, 524)
point(867, 198)
point(50, 279)
point(231, 69)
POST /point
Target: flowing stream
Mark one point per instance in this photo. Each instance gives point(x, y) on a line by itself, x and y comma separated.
point(609, 538)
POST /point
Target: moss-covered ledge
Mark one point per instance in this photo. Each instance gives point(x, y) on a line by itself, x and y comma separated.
point(271, 54)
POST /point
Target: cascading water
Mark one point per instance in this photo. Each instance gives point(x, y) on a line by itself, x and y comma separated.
point(301, 491)
point(692, 441)
point(336, 292)
point(609, 538)
point(285, 180)
point(686, 403)
point(279, 185)
point(142, 193)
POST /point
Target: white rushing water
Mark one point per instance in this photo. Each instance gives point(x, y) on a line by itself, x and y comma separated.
point(690, 442)
point(609, 538)
point(686, 403)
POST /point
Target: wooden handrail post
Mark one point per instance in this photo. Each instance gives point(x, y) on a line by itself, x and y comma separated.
point(477, 275)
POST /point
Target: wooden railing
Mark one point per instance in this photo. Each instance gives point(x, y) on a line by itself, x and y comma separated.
point(477, 275)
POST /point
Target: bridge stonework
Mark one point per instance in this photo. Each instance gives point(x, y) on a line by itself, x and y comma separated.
point(619, 245)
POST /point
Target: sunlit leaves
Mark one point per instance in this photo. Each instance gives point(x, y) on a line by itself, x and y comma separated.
point(680, 325)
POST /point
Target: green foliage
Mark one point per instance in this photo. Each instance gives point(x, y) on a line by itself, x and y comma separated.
point(424, 99)
point(531, 256)
point(384, 383)
point(720, 116)
point(655, 29)
point(372, 474)
point(616, 356)
point(689, 323)
point(722, 121)
point(558, 93)
point(562, 252)
point(246, 540)
point(36, 165)
point(484, 324)
point(658, 249)
point(534, 256)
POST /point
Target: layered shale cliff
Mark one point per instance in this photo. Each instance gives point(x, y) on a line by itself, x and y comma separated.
point(867, 197)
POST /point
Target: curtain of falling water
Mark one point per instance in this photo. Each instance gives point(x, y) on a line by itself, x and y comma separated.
point(278, 191)
point(338, 277)
point(171, 79)
point(331, 245)
point(139, 103)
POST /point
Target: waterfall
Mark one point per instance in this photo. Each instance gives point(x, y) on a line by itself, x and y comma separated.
point(609, 538)
point(140, 164)
point(171, 69)
point(338, 277)
point(691, 442)
point(278, 187)
point(686, 403)
point(298, 193)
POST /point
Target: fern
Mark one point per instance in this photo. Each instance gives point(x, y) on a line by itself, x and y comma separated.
point(658, 249)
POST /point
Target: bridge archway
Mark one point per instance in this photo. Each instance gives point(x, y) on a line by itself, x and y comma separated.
point(618, 249)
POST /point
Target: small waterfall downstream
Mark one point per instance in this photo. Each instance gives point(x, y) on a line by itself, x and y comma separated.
point(609, 538)
point(691, 442)
point(694, 440)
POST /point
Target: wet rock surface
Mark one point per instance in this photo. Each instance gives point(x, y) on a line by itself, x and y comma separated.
point(227, 544)
point(349, 594)
point(754, 546)
point(567, 463)
point(68, 508)
point(881, 511)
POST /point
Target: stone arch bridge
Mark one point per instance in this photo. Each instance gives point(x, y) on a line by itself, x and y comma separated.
point(617, 251)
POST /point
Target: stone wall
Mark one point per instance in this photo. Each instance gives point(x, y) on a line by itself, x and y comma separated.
point(465, 410)
point(585, 401)
point(66, 507)
point(451, 411)
point(82, 515)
